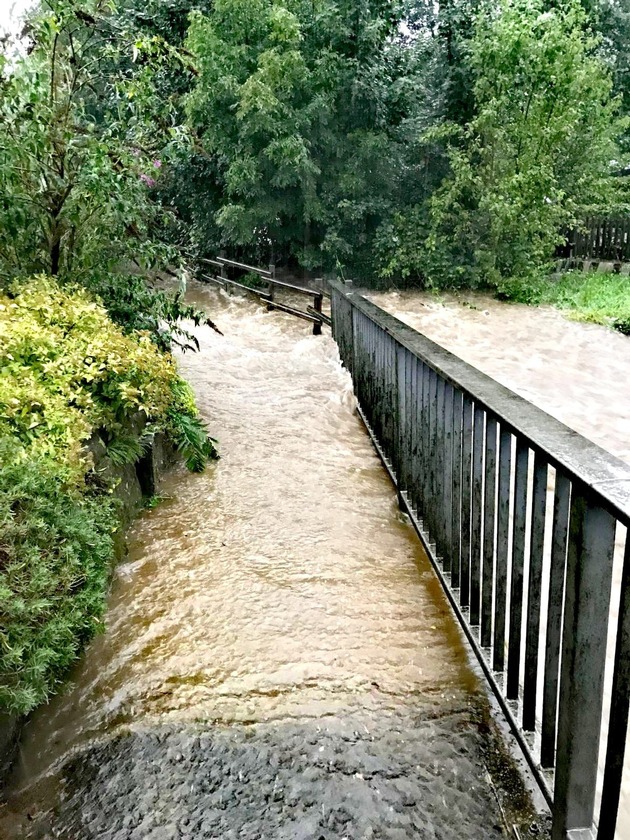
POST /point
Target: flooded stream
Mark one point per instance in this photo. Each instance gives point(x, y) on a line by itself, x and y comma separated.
point(276, 612)
point(279, 660)
point(578, 373)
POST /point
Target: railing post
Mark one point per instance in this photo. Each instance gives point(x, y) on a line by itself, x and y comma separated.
point(272, 288)
point(619, 711)
point(317, 306)
point(224, 276)
point(587, 605)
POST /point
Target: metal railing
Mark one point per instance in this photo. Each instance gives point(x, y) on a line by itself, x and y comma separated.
point(524, 521)
point(314, 314)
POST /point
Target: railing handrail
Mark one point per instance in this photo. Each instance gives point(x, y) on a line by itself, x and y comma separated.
point(520, 517)
point(579, 457)
point(269, 277)
point(262, 272)
point(221, 281)
point(299, 289)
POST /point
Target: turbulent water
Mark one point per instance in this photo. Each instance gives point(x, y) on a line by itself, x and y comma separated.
point(279, 660)
point(276, 619)
point(579, 373)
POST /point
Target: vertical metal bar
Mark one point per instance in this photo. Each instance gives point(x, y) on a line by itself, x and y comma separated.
point(477, 516)
point(534, 592)
point(370, 375)
point(379, 403)
point(378, 396)
point(518, 560)
point(562, 497)
point(430, 502)
point(467, 434)
point(390, 403)
point(394, 415)
point(490, 501)
point(423, 375)
point(439, 467)
point(586, 610)
point(412, 426)
point(503, 528)
point(364, 360)
point(357, 347)
point(618, 721)
point(402, 454)
point(447, 505)
point(458, 403)
point(426, 438)
point(416, 405)
point(376, 381)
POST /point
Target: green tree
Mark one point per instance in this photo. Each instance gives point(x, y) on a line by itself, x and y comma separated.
point(74, 188)
point(84, 137)
point(612, 21)
point(535, 156)
point(303, 105)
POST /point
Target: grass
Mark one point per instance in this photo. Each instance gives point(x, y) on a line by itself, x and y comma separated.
point(593, 298)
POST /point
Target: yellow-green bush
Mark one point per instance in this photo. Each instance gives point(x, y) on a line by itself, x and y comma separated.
point(66, 371)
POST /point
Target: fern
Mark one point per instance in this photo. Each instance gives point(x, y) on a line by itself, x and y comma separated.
point(127, 449)
point(192, 439)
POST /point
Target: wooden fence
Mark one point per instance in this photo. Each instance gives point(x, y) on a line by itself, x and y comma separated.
point(268, 295)
point(602, 239)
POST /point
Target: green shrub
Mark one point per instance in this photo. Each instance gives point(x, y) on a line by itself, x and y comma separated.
point(187, 431)
point(56, 550)
point(68, 370)
point(595, 298)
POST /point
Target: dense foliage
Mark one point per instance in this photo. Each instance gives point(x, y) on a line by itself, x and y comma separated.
point(84, 135)
point(533, 159)
point(302, 105)
point(69, 376)
point(392, 139)
point(450, 143)
point(56, 549)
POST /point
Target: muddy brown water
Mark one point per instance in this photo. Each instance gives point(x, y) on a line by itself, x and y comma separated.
point(283, 588)
point(578, 373)
point(283, 585)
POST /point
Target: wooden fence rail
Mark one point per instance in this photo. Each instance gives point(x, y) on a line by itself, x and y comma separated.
point(601, 239)
point(524, 521)
point(314, 314)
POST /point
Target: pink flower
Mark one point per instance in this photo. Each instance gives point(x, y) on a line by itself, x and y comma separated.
point(146, 179)
point(157, 163)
